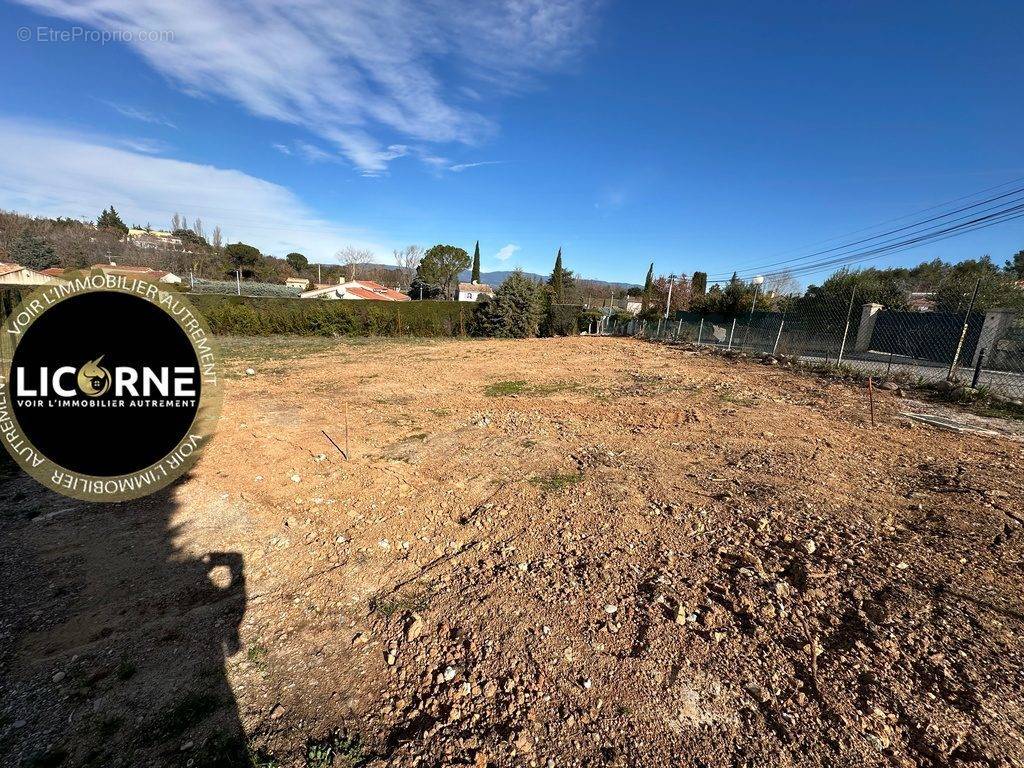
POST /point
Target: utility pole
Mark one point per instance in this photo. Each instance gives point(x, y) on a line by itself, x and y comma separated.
point(668, 302)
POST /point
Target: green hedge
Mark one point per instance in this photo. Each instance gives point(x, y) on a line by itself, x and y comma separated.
point(563, 320)
point(243, 316)
point(10, 297)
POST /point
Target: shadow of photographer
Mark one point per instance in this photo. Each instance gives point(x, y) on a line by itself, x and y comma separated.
point(115, 633)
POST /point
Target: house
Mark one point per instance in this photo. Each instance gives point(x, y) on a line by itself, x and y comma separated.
point(473, 291)
point(297, 282)
point(142, 273)
point(921, 301)
point(355, 290)
point(54, 271)
point(628, 304)
point(154, 238)
point(15, 274)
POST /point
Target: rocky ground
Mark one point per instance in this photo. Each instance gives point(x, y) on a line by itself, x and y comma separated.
point(569, 552)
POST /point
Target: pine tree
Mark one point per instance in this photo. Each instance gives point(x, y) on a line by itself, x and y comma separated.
point(110, 219)
point(1015, 266)
point(476, 263)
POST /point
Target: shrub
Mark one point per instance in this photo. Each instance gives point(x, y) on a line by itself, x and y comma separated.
point(243, 316)
point(563, 319)
point(10, 298)
point(513, 313)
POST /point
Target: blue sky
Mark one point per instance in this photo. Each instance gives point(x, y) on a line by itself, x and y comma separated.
point(695, 135)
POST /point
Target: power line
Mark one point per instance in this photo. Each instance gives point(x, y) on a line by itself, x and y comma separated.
point(914, 225)
point(935, 235)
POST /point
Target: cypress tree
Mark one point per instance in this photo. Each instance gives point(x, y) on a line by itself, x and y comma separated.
point(476, 263)
point(699, 283)
point(557, 283)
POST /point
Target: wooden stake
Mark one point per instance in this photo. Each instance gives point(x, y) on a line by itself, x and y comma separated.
point(871, 399)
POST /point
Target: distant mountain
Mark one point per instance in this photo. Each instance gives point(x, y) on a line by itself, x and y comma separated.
point(494, 279)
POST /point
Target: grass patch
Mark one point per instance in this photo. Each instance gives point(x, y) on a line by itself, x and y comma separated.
point(505, 388)
point(256, 653)
point(260, 349)
point(441, 413)
point(223, 750)
point(336, 751)
point(394, 604)
point(557, 481)
point(520, 387)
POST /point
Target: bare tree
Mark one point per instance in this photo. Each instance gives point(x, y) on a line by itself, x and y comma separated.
point(176, 222)
point(216, 239)
point(351, 257)
point(197, 226)
point(781, 284)
point(408, 259)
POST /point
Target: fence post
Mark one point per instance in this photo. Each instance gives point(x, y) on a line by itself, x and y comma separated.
point(963, 334)
point(778, 336)
point(977, 368)
point(700, 331)
point(846, 330)
point(732, 333)
point(679, 328)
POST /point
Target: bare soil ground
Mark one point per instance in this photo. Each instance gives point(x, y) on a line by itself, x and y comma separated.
point(570, 552)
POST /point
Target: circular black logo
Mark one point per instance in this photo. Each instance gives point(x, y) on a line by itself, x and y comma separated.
point(111, 389)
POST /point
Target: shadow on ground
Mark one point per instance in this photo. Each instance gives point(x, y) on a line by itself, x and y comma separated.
point(113, 639)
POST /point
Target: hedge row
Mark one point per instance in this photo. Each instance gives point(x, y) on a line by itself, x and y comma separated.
point(10, 297)
point(243, 316)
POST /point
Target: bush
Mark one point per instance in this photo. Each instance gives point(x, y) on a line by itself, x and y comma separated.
point(513, 313)
point(563, 320)
point(243, 316)
point(11, 297)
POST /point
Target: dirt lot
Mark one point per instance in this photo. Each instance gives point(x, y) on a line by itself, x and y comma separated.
point(571, 552)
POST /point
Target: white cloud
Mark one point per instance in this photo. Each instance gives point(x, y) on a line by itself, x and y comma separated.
point(49, 172)
point(146, 146)
point(506, 252)
point(460, 167)
point(365, 75)
point(282, 148)
point(141, 115)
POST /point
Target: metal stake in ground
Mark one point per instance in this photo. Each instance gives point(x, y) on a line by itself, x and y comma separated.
point(732, 333)
point(778, 336)
point(753, 305)
point(977, 368)
point(846, 330)
point(963, 334)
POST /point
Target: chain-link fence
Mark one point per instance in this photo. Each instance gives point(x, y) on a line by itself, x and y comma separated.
point(242, 288)
point(927, 340)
